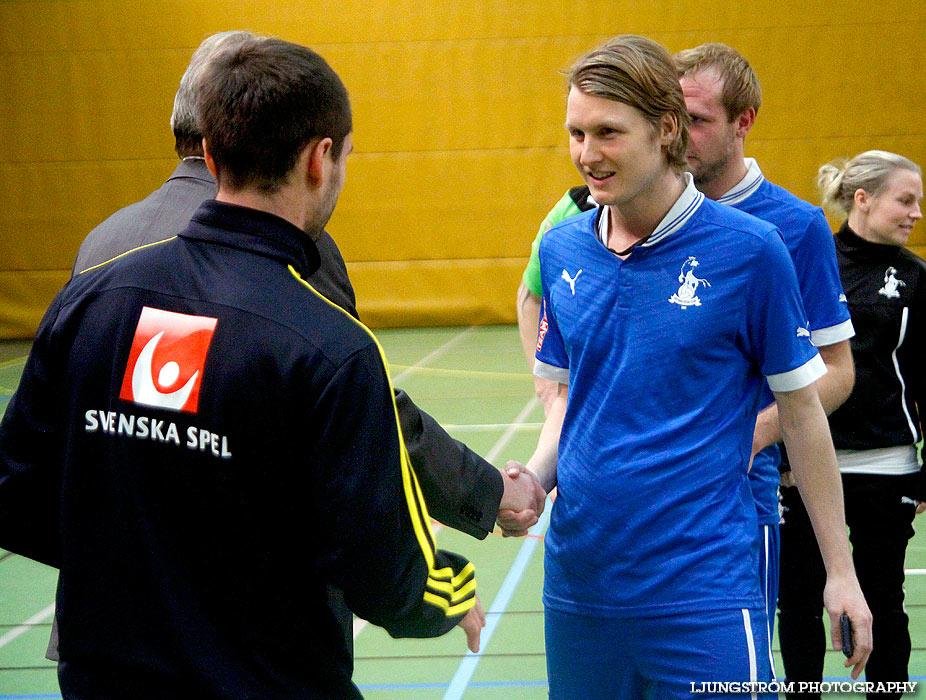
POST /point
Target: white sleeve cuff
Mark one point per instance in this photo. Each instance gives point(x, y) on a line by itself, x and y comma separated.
point(798, 378)
point(545, 371)
point(832, 335)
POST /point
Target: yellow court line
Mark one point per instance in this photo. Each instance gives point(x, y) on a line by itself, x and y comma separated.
point(14, 361)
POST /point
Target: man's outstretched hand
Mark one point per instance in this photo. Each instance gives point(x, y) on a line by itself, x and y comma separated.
point(522, 501)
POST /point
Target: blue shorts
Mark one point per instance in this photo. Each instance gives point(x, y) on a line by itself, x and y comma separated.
point(656, 658)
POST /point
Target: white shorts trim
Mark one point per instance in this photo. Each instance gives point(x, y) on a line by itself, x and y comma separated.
point(751, 646)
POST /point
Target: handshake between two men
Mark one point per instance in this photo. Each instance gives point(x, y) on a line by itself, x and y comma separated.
point(522, 502)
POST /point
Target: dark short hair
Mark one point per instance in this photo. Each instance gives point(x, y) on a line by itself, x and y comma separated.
point(261, 103)
point(188, 139)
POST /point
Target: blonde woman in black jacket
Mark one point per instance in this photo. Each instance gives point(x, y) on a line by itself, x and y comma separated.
point(876, 430)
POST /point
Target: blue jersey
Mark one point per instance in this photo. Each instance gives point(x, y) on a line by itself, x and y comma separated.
point(666, 354)
point(813, 251)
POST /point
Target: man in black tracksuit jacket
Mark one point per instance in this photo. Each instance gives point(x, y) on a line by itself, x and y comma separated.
point(202, 443)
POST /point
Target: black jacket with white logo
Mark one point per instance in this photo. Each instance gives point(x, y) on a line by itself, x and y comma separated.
point(202, 443)
point(886, 289)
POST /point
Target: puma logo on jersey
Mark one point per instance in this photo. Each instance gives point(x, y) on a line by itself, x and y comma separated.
point(803, 333)
point(571, 280)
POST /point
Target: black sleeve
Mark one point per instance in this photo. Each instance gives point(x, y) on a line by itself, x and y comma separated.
point(378, 547)
point(31, 437)
point(462, 490)
point(918, 373)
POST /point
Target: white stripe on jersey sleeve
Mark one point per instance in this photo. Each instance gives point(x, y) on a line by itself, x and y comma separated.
point(545, 371)
point(832, 335)
point(798, 378)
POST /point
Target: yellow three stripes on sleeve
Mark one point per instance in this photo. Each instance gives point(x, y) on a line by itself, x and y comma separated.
point(453, 594)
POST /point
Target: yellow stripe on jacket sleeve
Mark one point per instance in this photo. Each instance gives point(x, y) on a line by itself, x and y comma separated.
point(451, 587)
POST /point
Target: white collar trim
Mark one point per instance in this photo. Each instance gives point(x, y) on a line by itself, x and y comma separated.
point(745, 187)
point(683, 209)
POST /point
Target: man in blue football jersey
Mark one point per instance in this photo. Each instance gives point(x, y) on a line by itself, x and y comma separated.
point(722, 95)
point(664, 314)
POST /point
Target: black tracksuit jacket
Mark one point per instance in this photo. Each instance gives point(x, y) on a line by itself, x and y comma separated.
point(199, 490)
point(886, 290)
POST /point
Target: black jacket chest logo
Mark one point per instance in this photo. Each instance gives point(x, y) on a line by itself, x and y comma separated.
point(891, 284)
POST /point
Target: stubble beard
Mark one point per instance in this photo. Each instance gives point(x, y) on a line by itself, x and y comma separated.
point(706, 173)
point(315, 225)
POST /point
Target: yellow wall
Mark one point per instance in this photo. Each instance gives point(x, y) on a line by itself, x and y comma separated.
point(458, 110)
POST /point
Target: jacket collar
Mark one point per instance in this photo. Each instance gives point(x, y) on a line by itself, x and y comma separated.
point(850, 243)
point(254, 231)
point(195, 169)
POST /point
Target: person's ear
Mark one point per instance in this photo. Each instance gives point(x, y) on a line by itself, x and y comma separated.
point(744, 122)
point(318, 160)
point(668, 128)
point(861, 200)
point(208, 157)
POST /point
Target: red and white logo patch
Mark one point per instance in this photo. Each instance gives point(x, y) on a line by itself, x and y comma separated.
point(543, 329)
point(165, 367)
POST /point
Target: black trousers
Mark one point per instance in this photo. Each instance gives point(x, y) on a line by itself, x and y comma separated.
point(880, 525)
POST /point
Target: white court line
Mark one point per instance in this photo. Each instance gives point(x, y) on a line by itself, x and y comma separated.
point(359, 624)
point(915, 572)
point(467, 667)
point(36, 619)
point(477, 427)
point(512, 429)
point(433, 355)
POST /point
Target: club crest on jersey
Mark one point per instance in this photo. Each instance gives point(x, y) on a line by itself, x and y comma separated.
point(165, 366)
point(891, 283)
point(686, 295)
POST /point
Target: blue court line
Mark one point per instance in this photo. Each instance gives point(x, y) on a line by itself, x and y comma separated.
point(469, 663)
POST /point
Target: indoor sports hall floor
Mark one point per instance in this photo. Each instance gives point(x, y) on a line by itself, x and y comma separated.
point(474, 381)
